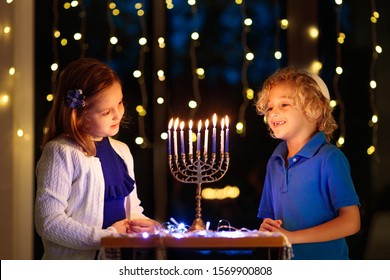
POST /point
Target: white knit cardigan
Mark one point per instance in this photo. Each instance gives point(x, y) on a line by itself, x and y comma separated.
point(70, 199)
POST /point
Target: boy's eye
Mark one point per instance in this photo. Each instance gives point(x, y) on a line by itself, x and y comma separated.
point(284, 105)
point(269, 109)
point(106, 113)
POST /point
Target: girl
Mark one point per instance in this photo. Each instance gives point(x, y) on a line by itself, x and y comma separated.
point(85, 179)
point(308, 192)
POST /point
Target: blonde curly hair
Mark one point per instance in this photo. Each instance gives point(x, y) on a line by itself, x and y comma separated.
point(307, 98)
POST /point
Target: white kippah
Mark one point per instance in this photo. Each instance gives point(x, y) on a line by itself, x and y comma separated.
point(321, 84)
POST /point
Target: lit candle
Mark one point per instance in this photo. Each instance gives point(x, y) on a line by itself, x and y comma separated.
point(206, 137)
point(222, 134)
point(169, 136)
point(227, 135)
point(198, 138)
point(175, 125)
point(190, 138)
point(214, 136)
point(182, 138)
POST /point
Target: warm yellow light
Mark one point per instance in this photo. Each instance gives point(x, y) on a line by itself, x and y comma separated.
point(139, 108)
point(138, 5)
point(112, 5)
point(4, 99)
point(333, 103)
point(250, 94)
point(191, 2)
point(57, 34)
point(161, 75)
point(113, 40)
point(339, 70)
point(20, 132)
point(9, 1)
point(249, 56)
point(248, 22)
point(341, 141)
point(7, 29)
point(238, 2)
point(164, 136)
point(228, 192)
point(192, 104)
point(64, 42)
point(278, 55)
point(66, 5)
point(140, 13)
point(194, 35)
point(142, 41)
point(371, 150)
point(137, 74)
point(378, 49)
point(239, 128)
point(161, 42)
point(49, 97)
point(375, 14)
point(139, 140)
point(338, 2)
point(160, 100)
point(284, 24)
point(200, 71)
point(316, 66)
point(374, 19)
point(77, 36)
point(374, 119)
point(54, 67)
point(12, 71)
point(372, 84)
point(74, 3)
point(313, 32)
point(115, 12)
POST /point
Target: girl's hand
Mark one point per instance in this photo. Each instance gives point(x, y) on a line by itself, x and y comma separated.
point(122, 226)
point(143, 225)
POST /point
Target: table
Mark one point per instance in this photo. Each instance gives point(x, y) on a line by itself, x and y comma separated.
point(203, 241)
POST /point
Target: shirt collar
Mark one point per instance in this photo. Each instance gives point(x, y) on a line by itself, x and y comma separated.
point(308, 150)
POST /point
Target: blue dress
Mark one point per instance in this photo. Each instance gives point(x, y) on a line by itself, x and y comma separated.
point(118, 183)
point(309, 192)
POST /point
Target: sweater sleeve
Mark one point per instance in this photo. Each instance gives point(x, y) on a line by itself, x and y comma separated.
point(66, 205)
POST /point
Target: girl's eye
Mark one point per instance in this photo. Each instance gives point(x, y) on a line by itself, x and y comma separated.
point(106, 113)
point(269, 109)
point(284, 105)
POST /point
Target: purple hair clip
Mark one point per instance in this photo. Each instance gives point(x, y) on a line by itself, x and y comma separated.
point(75, 99)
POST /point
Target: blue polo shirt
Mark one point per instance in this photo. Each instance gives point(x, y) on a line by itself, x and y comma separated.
point(307, 193)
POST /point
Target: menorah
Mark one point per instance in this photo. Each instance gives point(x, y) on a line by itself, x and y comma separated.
point(198, 168)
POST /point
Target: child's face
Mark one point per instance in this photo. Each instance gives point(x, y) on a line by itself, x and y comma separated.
point(284, 119)
point(106, 113)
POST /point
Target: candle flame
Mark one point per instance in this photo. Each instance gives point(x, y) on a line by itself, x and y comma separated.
point(199, 125)
point(215, 120)
point(227, 121)
point(190, 124)
point(222, 123)
point(181, 125)
point(170, 124)
point(176, 124)
point(206, 124)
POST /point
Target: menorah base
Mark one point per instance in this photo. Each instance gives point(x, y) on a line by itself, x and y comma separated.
point(197, 224)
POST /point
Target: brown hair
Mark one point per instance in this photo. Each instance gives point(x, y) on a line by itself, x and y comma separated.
point(91, 76)
point(307, 98)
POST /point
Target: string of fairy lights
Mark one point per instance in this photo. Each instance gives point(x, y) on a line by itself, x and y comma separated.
point(376, 51)
point(141, 109)
point(336, 77)
point(59, 40)
point(247, 92)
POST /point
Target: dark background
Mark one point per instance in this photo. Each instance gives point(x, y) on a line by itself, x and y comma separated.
point(220, 53)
